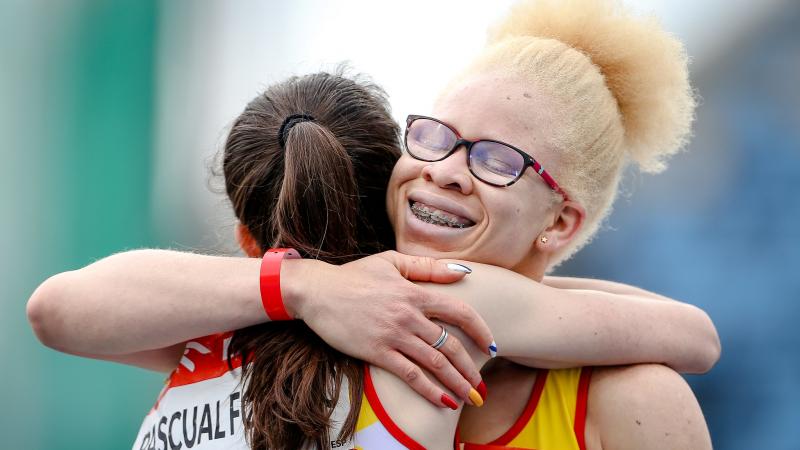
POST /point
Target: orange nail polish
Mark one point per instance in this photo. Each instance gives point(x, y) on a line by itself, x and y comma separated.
point(475, 397)
point(449, 402)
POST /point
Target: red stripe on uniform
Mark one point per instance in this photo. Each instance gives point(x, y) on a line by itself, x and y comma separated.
point(580, 406)
point(516, 429)
point(383, 416)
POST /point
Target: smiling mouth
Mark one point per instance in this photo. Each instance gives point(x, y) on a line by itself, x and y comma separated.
point(429, 214)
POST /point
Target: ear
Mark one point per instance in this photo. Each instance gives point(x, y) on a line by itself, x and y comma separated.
point(246, 241)
point(567, 220)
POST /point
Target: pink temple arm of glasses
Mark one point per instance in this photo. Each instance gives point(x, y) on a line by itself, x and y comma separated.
point(549, 180)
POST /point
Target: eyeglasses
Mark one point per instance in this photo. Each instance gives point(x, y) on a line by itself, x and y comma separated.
point(492, 162)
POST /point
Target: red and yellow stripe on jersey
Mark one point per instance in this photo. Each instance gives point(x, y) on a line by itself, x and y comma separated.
point(375, 429)
point(553, 419)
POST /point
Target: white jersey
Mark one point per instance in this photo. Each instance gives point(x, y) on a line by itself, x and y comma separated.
point(200, 405)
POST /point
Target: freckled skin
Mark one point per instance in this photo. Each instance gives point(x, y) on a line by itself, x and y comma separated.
point(621, 412)
point(508, 218)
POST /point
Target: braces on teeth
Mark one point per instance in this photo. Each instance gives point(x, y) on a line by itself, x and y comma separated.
point(434, 217)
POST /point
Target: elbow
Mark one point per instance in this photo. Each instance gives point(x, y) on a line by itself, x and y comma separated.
point(45, 312)
point(710, 346)
point(713, 352)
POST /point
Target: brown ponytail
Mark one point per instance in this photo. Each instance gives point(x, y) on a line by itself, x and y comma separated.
point(323, 193)
point(319, 183)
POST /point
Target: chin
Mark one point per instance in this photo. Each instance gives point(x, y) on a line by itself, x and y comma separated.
point(416, 249)
point(421, 249)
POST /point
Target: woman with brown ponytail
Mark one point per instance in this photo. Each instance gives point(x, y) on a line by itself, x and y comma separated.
point(562, 84)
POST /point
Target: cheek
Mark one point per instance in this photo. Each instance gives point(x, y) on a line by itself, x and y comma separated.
point(505, 209)
point(404, 170)
point(515, 218)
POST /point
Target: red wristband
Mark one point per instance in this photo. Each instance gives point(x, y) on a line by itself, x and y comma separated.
point(270, 282)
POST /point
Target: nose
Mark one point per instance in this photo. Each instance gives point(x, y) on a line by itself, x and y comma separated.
point(451, 172)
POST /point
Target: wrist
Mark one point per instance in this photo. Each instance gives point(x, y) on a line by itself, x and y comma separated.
point(270, 282)
point(298, 278)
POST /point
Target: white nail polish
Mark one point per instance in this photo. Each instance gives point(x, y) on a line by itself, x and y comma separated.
point(493, 349)
point(459, 268)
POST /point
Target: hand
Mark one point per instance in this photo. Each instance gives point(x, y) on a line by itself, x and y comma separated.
point(392, 317)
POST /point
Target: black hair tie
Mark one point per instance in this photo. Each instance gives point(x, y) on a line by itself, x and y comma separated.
point(287, 125)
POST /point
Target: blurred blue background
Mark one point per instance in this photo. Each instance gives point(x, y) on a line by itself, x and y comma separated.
point(110, 111)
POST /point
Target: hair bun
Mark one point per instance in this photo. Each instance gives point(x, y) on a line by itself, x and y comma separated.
point(645, 68)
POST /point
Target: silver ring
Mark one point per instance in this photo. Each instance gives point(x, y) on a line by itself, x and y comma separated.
point(442, 339)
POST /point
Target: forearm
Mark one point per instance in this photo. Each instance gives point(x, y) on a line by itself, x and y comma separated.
point(549, 327)
point(145, 299)
point(600, 285)
point(139, 308)
point(599, 328)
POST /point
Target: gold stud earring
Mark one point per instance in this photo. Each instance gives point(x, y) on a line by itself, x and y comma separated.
point(543, 239)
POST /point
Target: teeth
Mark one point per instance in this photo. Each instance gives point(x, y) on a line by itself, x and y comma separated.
point(434, 217)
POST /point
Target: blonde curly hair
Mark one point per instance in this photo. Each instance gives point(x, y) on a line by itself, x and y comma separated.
point(621, 86)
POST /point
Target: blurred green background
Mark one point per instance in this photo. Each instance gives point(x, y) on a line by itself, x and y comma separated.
point(110, 112)
point(77, 86)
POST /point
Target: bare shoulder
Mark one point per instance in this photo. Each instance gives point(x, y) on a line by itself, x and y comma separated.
point(646, 406)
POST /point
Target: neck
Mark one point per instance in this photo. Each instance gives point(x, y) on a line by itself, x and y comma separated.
point(532, 267)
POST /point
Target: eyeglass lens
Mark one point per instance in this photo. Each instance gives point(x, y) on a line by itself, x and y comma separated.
point(492, 162)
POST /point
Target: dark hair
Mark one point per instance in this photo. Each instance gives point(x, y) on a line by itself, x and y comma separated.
point(323, 194)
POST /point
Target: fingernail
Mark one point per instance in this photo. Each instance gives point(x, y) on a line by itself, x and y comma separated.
point(455, 267)
point(449, 402)
point(493, 349)
point(475, 397)
point(482, 389)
